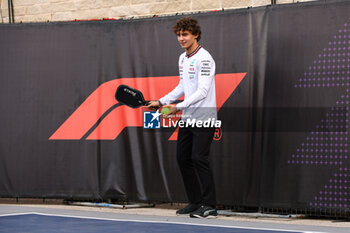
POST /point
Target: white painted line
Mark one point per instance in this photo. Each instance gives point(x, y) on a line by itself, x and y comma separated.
point(15, 214)
point(164, 222)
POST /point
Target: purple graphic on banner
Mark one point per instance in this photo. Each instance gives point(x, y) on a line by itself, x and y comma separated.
point(328, 144)
point(332, 67)
point(336, 193)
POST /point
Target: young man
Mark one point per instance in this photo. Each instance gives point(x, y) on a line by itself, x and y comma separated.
point(197, 83)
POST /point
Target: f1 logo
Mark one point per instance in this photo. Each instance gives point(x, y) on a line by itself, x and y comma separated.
point(101, 117)
point(151, 120)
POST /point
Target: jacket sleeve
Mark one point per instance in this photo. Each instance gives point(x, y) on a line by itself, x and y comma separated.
point(173, 95)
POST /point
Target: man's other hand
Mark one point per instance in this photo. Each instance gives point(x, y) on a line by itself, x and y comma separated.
point(172, 110)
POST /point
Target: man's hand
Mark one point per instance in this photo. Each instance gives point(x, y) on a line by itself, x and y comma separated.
point(172, 110)
point(154, 104)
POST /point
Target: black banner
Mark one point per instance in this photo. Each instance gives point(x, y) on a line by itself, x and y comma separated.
point(283, 87)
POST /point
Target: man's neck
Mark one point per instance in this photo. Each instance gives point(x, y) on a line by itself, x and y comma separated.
point(192, 48)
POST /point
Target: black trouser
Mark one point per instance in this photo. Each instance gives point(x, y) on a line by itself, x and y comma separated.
point(193, 147)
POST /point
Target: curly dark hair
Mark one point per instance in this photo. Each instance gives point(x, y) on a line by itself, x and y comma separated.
point(188, 24)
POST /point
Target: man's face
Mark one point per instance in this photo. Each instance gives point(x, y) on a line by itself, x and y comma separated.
point(186, 39)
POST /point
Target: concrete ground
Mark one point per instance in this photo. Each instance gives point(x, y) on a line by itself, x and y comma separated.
point(166, 213)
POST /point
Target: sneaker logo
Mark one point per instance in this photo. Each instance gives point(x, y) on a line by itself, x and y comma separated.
point(207, 212)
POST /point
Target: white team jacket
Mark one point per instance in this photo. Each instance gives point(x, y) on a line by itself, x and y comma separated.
point(197, 83)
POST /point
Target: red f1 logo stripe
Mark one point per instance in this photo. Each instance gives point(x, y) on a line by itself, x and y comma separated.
point(102, 100)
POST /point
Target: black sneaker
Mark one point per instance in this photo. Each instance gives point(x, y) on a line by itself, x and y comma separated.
point(188, 209)
point(204, 212)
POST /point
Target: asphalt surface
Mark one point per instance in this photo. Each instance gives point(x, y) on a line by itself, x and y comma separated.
point(165, 216)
